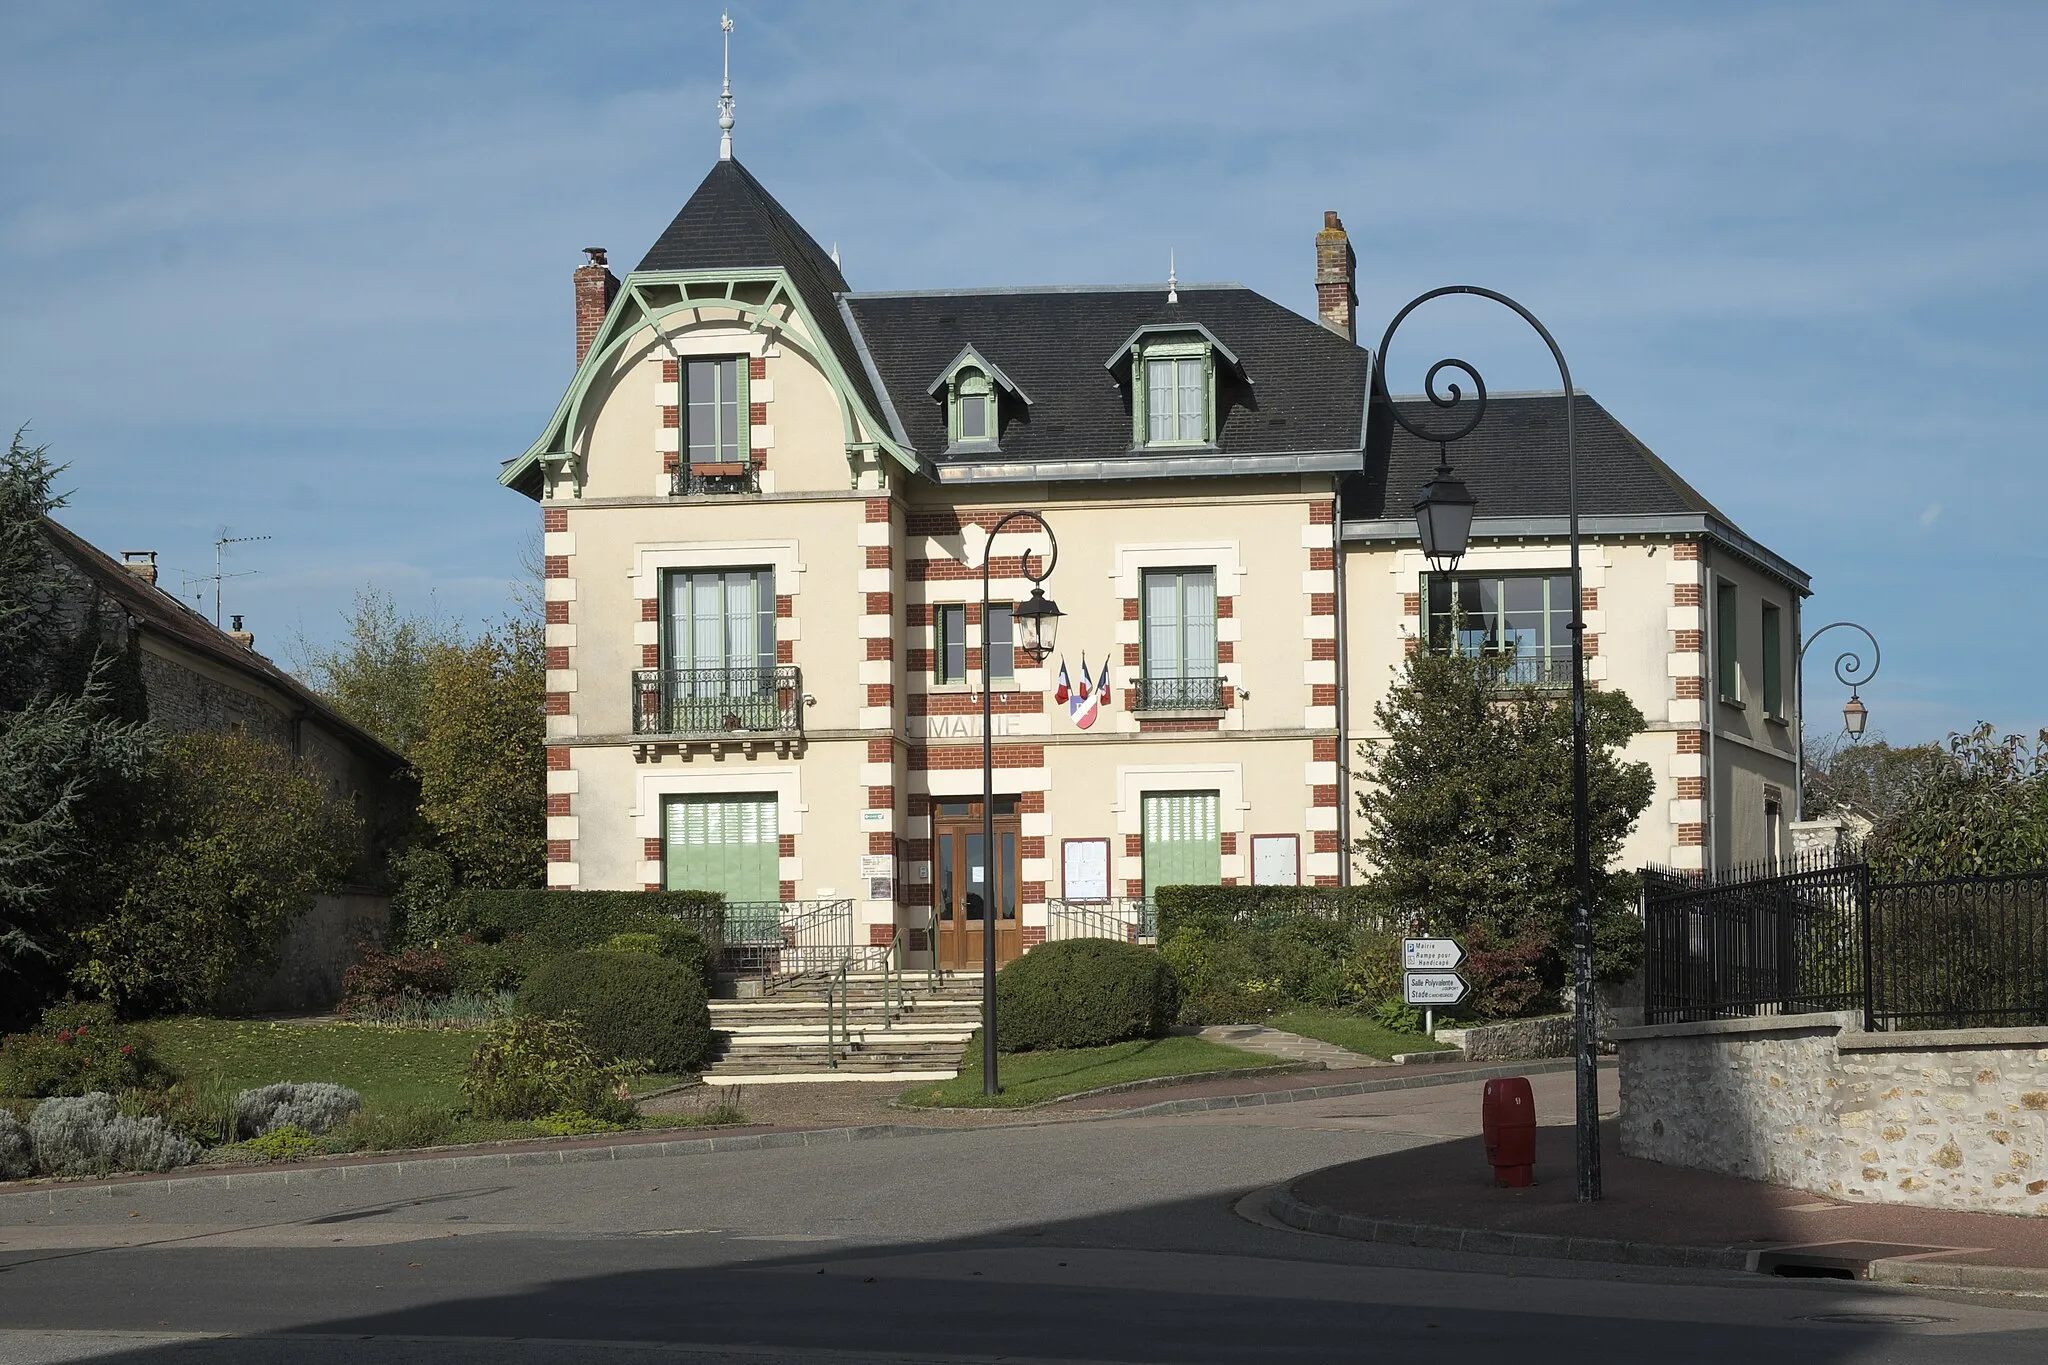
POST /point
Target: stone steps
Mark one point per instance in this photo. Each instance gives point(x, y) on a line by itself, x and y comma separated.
point(905, 1031)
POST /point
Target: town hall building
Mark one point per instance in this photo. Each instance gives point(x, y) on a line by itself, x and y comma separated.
point(766, 498)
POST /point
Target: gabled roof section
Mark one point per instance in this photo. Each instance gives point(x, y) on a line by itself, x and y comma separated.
point(1170, 329)
point(733, 223)
point(156, 611)
point(984, 364)
point(1304, 403)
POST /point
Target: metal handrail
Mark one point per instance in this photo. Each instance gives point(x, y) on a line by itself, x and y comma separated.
point(686, 479)
point(1125, 919)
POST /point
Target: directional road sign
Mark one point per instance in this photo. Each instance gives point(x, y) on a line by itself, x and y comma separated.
point(1432, 988)
point(1430, 954)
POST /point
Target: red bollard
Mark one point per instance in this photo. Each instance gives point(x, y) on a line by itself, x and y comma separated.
point(1507, 1119)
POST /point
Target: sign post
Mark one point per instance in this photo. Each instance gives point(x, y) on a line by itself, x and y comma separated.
point(1429, 977)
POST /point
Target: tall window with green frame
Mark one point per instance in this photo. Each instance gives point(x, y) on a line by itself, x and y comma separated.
point(1727, 642)
point(1176, 395)
point(1773, 662)
point(715, 399)
point(717, 633)
point(1179, 653)
point(952, 637)
point(974, 408)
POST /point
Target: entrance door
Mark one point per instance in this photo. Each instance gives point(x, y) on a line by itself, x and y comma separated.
point(968, 893)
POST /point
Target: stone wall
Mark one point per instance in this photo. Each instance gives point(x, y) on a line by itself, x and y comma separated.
point(323, 944)
point(1514, 1040)
point(1955, 1119)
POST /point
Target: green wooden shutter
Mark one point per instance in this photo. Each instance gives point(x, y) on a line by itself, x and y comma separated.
point(1183, 846)
point(723, 843)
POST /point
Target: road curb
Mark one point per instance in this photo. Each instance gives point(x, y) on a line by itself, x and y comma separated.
point(1121, 1088)
point(1318, 1218)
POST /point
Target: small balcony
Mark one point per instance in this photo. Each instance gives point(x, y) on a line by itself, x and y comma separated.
point(1180, 694)
point(717, 702)
point(690, 480)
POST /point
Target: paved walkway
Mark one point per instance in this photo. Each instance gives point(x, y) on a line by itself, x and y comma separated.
point(1649, 1213)
point(1288, 1046)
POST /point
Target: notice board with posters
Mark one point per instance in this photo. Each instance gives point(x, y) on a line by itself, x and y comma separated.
point(1084, 869)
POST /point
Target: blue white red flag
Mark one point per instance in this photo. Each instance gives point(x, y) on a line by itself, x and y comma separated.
point(1088, 705)
point(1064, 690)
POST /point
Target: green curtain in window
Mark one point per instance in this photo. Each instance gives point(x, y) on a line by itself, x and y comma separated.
point(1183, 845)
point(723, 843)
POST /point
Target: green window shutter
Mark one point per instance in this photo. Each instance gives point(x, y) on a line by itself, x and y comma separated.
point(743, 426)
point(728, 844)
point(1773, 664)
point(1182, 842)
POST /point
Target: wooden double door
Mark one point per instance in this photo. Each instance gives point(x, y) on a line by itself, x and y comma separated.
point(971, 891)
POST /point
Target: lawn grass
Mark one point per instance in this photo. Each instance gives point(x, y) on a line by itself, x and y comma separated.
point(393, 1068)
point(1029, 1077)
point(1354, 1032)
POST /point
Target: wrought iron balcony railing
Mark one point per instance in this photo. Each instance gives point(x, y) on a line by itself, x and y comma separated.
point(718, 701)
point(713, 478)
point(1180, 694)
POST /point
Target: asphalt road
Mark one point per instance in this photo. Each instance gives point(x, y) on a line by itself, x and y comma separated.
point(1119, 1240)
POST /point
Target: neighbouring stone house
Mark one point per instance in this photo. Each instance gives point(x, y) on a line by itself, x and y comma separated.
point(766, 498)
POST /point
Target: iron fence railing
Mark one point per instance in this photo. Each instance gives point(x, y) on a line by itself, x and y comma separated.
point(688, 479)
point(780, 940)
point(1957, 952)
point(1123, 918)
point(718, 701)
point(1179, 694)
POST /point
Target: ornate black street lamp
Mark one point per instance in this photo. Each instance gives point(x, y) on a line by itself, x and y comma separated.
point(1036, 623)
point(1443, 515)
point(1851, 673)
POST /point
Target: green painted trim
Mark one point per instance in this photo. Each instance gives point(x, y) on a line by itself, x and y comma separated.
point(632, 311)
point(1141, 422)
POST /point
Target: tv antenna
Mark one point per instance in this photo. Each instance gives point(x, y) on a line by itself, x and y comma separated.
point(219, 576)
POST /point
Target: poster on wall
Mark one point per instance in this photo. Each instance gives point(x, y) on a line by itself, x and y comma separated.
point(1084, 869)
point(1276, 860)
point(878, 870)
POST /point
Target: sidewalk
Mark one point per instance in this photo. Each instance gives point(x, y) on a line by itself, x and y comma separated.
point(1441, 1195)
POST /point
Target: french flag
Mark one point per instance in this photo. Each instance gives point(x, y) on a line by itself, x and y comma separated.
point(1088, 705)
point(1063, 691)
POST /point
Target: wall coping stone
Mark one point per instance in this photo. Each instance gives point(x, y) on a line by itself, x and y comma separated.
point(1924, 1040)
point(1841, 1021)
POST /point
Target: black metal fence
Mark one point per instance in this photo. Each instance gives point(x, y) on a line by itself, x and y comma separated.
point(718, 701)
point(1179, 694)
point(1818, 935)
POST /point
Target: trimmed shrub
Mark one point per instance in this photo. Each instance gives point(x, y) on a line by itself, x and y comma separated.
point(529, 1066)
point(382, 983)
point(1084, 993)
point(1213, 909)
point(499, 938)
point(288, 1143)
point(649, 944)
point(88, 1135)
point(77, 1049)
point(633, 1007)
point(17, 1152)
point(313, 1106)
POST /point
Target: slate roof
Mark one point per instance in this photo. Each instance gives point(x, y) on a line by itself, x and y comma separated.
point(157, 612)
point(1514, 463)
point(1302, 387)
point(733, 223)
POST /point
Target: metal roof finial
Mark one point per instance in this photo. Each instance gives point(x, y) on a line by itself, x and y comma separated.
point(1172, 283)
point(725, 98)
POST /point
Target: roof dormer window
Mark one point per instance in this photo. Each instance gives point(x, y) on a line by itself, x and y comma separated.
point(1177, 394)
point(979, 398)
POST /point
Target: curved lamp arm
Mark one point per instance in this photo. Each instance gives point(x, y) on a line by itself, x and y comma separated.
point(1849, 668)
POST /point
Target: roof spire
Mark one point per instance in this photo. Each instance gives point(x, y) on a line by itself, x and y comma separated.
point(1172, 283)
point(725, 98)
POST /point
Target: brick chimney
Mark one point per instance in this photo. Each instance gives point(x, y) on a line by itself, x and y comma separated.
point(596, 286)
point(141, 563)
point(245, 639)
point(1336, 278)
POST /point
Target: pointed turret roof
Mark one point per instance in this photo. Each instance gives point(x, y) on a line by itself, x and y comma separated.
point(733, 223)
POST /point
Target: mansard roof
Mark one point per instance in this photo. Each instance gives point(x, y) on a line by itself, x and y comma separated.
point(733, 223)
point(1294, 399)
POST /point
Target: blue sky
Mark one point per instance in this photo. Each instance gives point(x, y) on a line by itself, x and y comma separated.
point(303, 270)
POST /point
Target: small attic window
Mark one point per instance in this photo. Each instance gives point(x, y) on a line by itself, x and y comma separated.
point(973, 408)
point(1176, 401)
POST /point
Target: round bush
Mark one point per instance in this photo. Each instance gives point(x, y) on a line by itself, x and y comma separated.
point(1084, 993)
point(632, 1006)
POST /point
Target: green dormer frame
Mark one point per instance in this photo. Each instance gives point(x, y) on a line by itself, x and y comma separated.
point(649, 299)
point(968, 377)
point(1166, 343)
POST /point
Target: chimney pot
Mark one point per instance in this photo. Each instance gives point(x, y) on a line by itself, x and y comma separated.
point(596, 286)
point(244, 638)
point(1336, 278)
point(141, 563)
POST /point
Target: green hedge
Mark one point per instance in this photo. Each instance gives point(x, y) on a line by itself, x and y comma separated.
point(631, 1006)
point(503, 936)
point(1084, 993)
point(1211, 908)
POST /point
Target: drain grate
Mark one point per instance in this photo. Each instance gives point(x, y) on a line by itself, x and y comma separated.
point(1877, 1319)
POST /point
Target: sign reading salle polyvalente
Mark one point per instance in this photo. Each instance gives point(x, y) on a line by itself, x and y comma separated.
point(1428, 975)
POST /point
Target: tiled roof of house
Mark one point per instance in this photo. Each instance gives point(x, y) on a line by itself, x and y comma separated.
point(733, 223)
point(1296, 388)
point(1514, 463)
point(158, 612)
